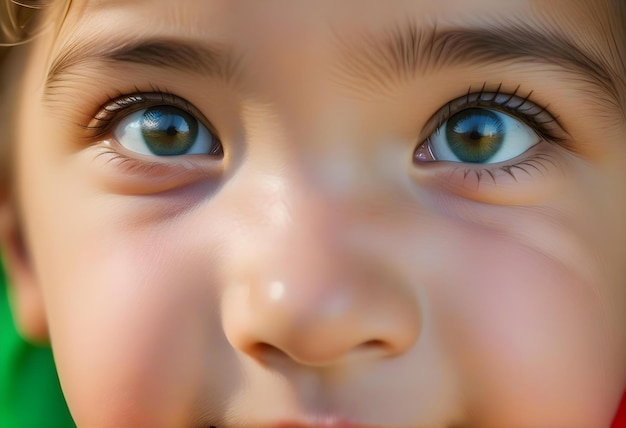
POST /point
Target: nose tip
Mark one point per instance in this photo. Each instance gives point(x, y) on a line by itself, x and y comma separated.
point(321, 319)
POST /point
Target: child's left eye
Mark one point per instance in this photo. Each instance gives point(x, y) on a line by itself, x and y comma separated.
point(478, 135)
point(165, 130)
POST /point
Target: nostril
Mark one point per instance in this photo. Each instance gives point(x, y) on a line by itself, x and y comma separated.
point(261, 348)
point(264, 352)
point(267, 353)
point(376, 346)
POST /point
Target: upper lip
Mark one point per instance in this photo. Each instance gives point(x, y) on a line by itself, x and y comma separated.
point(319, 422)
point(318, 425)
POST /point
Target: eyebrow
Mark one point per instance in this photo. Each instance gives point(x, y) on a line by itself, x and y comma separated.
point(399, 54)
point(191, 57)
point(407, 50)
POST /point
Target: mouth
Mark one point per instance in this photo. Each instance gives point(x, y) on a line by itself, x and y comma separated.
point(318, 425)
point(319, 422)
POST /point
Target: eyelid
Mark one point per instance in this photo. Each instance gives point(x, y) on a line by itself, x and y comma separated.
point(108, 114)
point(129, 173)
point(544, 123)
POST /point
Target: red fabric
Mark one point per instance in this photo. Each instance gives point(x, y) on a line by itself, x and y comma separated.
point(620, 416)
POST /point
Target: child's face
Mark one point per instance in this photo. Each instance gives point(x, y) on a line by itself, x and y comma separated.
point(332, 258)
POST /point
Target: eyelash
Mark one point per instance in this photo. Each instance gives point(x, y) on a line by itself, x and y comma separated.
point(104, 119)
point(516, 106)
point(521, 108)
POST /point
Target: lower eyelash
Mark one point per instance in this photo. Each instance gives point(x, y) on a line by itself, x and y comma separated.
point(131, 165)
point(538, 162)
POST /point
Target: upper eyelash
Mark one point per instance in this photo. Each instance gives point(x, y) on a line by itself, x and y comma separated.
point(521, 108)
point(103, 120)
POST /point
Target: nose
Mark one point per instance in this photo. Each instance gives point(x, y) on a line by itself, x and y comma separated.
point(303, 290)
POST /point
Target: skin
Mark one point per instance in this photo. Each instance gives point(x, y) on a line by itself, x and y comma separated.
point(316, 273)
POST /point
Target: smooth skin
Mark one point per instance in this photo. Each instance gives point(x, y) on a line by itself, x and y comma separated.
point(318, 271)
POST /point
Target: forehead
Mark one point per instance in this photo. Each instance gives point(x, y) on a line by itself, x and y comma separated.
point(218, 16)
point(311, 29)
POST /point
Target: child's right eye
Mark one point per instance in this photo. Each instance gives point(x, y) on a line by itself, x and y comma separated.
point(166, 126)
point(165, 130)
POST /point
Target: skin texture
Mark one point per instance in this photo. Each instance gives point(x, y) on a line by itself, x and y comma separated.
point(316, 273)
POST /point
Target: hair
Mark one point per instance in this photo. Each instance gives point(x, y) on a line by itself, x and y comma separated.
point(19, 23)
point(14, 21)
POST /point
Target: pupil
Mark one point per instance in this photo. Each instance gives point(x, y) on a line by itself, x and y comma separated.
point(475, 135)
point(168, 131)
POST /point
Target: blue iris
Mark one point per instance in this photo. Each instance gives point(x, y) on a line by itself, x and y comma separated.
point(475, 135)
point(168, 131)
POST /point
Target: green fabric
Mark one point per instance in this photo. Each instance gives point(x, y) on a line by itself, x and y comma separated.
point(30, 395)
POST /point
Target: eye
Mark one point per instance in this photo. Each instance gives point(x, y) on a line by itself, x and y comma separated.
point(478, 135)
point(165, 130)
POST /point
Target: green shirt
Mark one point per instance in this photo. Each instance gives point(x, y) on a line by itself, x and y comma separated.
point(30, 394)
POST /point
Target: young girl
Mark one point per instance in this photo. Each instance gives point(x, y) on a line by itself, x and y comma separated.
point(320, 213)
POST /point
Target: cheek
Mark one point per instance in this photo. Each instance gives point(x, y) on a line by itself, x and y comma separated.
point(132, 303)
point(126, 314)
point(524, 330)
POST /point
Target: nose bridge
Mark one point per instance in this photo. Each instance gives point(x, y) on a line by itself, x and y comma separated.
point(302, 290)
point(298, 214)
point(296, 249)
